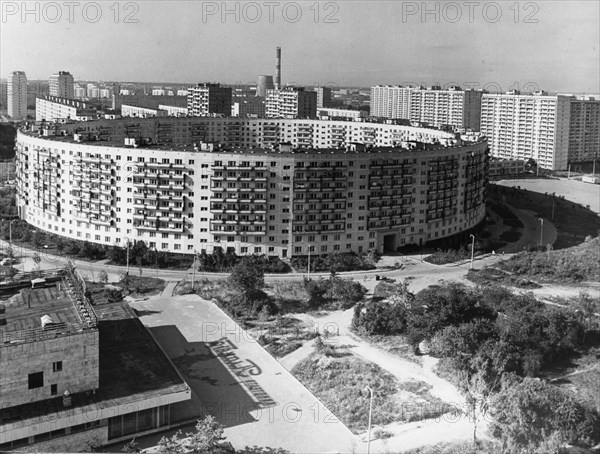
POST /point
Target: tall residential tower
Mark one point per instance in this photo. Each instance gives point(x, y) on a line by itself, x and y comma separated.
point(62, 85)
point(17, 95)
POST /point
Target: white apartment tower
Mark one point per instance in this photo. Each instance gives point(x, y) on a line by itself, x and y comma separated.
point(291, 102)
point(62, 85)
point(528, 126)
point(390, 101)
point(206, 99)
point(17, 95)
point(435, 106)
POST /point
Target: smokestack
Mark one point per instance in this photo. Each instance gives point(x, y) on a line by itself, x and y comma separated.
point(278, 68)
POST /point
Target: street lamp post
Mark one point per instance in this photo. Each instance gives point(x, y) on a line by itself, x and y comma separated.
point(127, 239)
point(472, 249)
point(194, 271)
point(370, 414)
point(309, 247)
point(541, 232)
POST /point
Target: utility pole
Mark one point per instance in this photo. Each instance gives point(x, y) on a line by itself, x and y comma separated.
point(127, 256)
point(194, 271)
point(309, 247)
point(541, 232)
point(472, 249)
point(370, 413)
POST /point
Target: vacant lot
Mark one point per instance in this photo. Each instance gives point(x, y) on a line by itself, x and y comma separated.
point(575, 191)
point(573, 221)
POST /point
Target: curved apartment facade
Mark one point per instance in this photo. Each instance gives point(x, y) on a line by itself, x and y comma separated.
point(256, 186)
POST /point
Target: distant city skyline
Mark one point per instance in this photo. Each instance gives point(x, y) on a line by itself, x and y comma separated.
point(549, 45)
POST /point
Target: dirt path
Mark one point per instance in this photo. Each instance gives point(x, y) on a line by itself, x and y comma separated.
point(449, 427)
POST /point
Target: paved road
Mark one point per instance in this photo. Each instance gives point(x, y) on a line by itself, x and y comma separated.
point(262, 405)
point(413, 266)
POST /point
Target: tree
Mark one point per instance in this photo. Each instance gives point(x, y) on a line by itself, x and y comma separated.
point(26, 235)
point(316, 293)
point(207, 438)
point(347, 291)
point(60, 244)
point(39, 238)
point(437, 307)
point(132, 446)
point(245, 277)
point(171, 445)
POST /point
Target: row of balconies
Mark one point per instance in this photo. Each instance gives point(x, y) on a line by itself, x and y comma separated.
point(237, 230)
point(238, 211)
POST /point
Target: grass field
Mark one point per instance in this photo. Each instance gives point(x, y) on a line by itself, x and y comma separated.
point(340, 383)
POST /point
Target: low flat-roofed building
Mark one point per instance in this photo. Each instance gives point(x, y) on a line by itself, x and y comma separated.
point(503, 168)
point(53, 108)
point(73, 375)
point(332, 113)
point(174, 111)
point(141, 112)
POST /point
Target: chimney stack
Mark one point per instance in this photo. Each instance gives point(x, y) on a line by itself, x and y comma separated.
point(278, 68)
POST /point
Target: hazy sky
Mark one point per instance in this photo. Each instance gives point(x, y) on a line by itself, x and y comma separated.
point(553, 45)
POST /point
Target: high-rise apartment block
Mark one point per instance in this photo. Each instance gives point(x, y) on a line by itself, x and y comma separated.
point(528, 126)
point(323, 96)
point(435, 106)
point(62, 85)
point(390, 101)
point(584, 130)
point(206, 100)
point(17, 95)
point(291, 102)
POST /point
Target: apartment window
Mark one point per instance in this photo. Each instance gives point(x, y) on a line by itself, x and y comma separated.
point(53, 390)
point(36, 380)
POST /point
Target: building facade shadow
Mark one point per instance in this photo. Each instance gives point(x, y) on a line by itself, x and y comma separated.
point(222, 383)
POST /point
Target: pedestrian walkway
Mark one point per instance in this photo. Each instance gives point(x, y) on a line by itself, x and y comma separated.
point(168, 290)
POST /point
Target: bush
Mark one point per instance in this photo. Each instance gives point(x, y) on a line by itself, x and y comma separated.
point(220, 262)
point(379, 317)
point(527, 413)
point(336, 262)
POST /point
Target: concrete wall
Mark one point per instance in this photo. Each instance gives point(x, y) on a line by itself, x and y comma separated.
point(80, 367)
point(79, 442)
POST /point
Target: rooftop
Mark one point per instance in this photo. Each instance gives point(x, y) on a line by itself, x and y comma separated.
point(34, 314)
point(132, 367)
point(25, 310)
